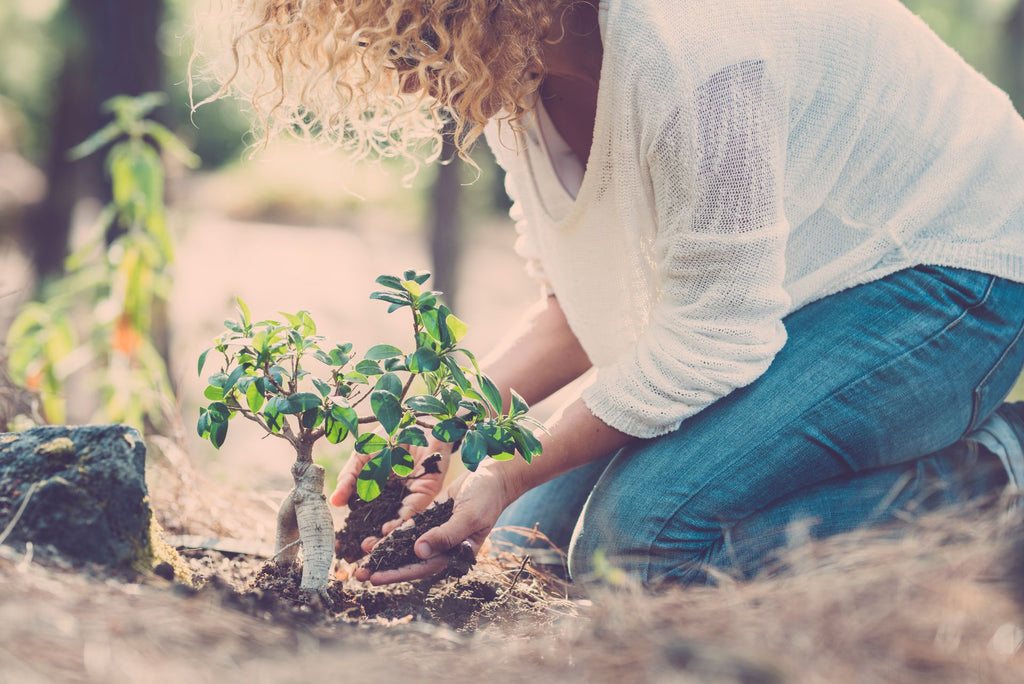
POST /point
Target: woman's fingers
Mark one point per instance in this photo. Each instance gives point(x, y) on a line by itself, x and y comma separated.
point(367, 544)
point(467, 527)
point(408, 573)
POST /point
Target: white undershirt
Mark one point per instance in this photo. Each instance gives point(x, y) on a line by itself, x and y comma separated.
point(563, 163)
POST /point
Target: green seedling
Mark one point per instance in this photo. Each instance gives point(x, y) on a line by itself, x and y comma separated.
point(282, 376)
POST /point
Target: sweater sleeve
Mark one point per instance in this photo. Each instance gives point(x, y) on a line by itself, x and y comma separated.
point(716, 168)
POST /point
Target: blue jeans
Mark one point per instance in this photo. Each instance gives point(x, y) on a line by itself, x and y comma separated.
point(861, 417)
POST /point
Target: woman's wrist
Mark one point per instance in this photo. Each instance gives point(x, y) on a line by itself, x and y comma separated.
point(509, 476)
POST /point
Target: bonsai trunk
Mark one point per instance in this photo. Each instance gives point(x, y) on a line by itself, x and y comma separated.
point(305, 517)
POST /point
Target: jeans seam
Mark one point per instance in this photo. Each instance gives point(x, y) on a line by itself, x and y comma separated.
point(974, 305)
point(977, 393)
point(928, 340)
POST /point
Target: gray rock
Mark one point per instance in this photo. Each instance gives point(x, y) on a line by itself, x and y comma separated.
point(88, 491)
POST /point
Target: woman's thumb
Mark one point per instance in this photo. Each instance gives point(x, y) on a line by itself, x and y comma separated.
point(443, 537)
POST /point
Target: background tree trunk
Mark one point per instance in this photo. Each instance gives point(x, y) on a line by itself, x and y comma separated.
point(444, 230)
point(1015, 54)
point(111, 50)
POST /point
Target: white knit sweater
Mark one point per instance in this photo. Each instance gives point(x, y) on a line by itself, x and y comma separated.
point(749, 157)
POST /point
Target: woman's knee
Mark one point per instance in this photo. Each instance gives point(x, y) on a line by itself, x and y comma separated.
point(617, 534)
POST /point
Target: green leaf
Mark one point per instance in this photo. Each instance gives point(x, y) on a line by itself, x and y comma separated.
point(450, 430)
point(322, 387)
point(94, 142)
point(260, 341)
point(390, 282)
point(367, 367)
point(243, 308)
point(214, 393)
point(491, 393)
point(477, 408)
point(232, 379)
point(412, 436)
point(303, 401)
point(387, 409)
point(218, 379)
point(412, 287)
point(253, 396)
point(424, 403)
point(347, 416)
point(219, 412)
point(424, 360)
point(527, 445)
point(402, 462)
point(501, 445)
point(339, 422)
point(202, 361)
point(218, 433)
point(473, 450)
point(356, 377)
point(389, 382)
point(397, 301)
point(374, 476)
point(169, 143)
point(311, 418)
point(272, 415)
point(367, 488)
point(280, 375)
point(456, 328)
point(428, 319)
point(451, 400)
point(458, 377)
point(308, 325)
point(203, 425)
point(370, 443)
point(519, 405)
point(338, 356)
point(382, 351)
point(334, 430)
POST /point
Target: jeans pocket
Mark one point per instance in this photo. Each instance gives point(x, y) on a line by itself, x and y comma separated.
point(997, 382)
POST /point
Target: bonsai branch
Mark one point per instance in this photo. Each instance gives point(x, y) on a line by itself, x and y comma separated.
point(246, 413)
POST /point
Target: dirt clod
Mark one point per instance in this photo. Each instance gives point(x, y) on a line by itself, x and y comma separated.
point(365, 519)
point(396, 550)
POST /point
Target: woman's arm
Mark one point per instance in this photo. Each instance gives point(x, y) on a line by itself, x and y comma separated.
point(540, 357)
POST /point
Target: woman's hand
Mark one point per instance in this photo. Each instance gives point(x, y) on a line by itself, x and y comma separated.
point(480, 498)
point(422, 489)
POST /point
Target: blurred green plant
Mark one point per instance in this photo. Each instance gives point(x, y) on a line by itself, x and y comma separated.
point(99, 315)
point(280, 376)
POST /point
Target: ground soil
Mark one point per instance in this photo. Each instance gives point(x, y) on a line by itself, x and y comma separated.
point(460, 604)
point(938, 603)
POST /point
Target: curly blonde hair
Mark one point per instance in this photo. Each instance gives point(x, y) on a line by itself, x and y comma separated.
point(383, 77)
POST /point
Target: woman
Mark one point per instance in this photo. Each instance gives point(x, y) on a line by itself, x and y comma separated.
point(787, 234)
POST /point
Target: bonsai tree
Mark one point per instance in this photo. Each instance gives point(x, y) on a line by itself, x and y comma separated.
point(282, 376)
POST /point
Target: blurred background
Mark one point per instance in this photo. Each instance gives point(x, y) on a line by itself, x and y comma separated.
point(290, 227)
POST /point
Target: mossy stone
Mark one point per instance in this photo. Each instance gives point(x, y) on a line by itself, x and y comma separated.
point(86, 492)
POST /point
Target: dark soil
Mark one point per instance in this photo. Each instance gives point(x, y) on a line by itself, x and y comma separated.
point(396, 550)
point(271, 591)
point(365, 519)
